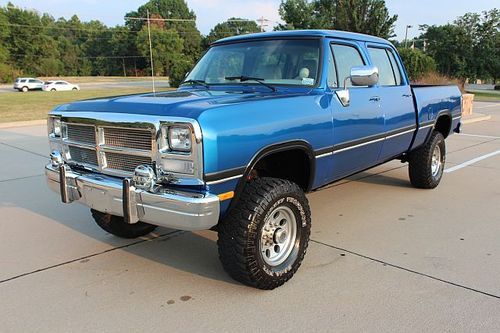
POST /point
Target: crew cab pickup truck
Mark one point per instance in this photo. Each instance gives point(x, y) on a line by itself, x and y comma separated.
point(261, 120)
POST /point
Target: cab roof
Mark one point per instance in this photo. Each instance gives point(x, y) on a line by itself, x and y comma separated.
point(304, 33)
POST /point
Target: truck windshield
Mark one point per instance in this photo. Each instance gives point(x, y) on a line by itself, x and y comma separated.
point(275, 62)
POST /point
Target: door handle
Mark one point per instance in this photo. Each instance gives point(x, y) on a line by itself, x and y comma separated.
point(406, 95)
point(375, 99)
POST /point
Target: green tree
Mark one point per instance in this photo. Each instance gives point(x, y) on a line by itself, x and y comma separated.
point(417, 63)
point(167, 49)
point(232, 27)
point(364, 16)
point(183, 20)
point(483, 32)
point(4, 33)
point(468, 48)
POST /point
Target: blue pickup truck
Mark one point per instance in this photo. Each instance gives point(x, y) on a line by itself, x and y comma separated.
point(261, 120)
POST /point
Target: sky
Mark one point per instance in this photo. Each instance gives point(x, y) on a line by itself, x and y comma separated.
point(211, 12)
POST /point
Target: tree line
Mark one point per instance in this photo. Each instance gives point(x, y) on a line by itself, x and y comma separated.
point(35, 44)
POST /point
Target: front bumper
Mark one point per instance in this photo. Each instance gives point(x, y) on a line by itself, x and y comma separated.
point(165, 207)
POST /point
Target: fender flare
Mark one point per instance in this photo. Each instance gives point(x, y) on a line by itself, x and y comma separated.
point(445, 112)
point(272, 149)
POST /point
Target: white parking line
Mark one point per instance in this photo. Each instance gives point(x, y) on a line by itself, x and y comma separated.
point(480, 136)
point(475, 160)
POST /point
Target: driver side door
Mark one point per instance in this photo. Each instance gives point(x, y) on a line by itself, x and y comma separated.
point(358, 129)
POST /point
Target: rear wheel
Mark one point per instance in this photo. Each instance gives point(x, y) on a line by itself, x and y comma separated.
point(427, 163)
point(74, 89)
point(264, 238)
point(53, 89)
point(116, 225)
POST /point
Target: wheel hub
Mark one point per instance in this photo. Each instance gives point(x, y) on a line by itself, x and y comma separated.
point(278, 236)
point(436, 161)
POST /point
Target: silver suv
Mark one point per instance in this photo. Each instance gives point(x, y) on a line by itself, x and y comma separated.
point(27, 84)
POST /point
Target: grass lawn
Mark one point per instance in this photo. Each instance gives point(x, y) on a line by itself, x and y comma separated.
point(486, 96)
point(16, 106)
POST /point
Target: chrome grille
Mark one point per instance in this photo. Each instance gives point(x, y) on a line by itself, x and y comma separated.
point(128, 138)
point(83, 155)
point(124, 162)
point(81, 133)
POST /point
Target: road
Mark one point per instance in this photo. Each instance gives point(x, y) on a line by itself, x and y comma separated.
point(106, 85)
point(383, 256)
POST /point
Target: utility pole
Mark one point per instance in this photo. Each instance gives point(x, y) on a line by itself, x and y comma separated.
point(151, 54)
point(149, 19)
point(406, 35)
point(262, 22)
point(124, 71)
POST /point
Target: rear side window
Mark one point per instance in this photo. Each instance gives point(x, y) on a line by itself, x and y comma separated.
point(346, 57)
point(332, 72)
point(395, 67)
point(380, 58)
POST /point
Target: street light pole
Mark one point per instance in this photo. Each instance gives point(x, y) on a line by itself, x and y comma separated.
point(406, 35)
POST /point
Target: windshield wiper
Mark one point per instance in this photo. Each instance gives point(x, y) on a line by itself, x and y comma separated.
point(244, 78)
point(198, 82)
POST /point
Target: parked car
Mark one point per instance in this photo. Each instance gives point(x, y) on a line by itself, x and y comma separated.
point(261, 120)
point(26, 84)
point(59, 86)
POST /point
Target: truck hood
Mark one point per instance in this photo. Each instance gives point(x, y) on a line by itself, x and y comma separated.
point(180, 103)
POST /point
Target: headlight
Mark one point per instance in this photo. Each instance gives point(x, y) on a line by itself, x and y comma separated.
point(54, 127)
point(179, 138)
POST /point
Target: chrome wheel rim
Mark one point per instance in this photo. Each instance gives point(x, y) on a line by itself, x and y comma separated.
point(278, 236)
point(436, 162)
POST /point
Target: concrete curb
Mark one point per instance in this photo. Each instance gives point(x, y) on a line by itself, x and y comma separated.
point(23, 123)
point(474, 118)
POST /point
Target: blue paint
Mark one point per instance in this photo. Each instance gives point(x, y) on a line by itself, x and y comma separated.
point(238, 120)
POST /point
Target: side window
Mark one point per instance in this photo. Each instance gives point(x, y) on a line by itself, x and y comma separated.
point(381, 60)
point(32, 81)
point(332, 72)
point(346, 57)
point(395, 67)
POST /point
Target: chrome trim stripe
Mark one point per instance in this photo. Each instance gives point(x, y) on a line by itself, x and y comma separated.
point(215, 182)
point(325, 154)
point(359, 145)
point(387, 136)
point(426, 126)
point(457, 117)
point(398, 134)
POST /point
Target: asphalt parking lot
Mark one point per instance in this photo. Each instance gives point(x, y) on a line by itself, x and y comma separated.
point(383, 256)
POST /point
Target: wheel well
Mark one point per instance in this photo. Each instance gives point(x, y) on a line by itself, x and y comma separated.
point(294, 165)
point(443, 125)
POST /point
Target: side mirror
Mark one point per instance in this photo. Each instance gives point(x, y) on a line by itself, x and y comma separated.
point(360, 76)
point(364, 75)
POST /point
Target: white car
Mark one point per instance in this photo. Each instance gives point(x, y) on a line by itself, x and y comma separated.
point(26, 84)
point(59, 86)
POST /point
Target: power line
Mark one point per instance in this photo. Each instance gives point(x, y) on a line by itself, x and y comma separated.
point(86, 57)
point(159, 19)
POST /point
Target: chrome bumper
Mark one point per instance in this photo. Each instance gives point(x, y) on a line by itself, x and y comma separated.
point(167, 208)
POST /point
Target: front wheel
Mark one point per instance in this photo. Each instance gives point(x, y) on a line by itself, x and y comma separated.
point(427, 163)
point(24, 89)
point(116, 225)
point(264, 239)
